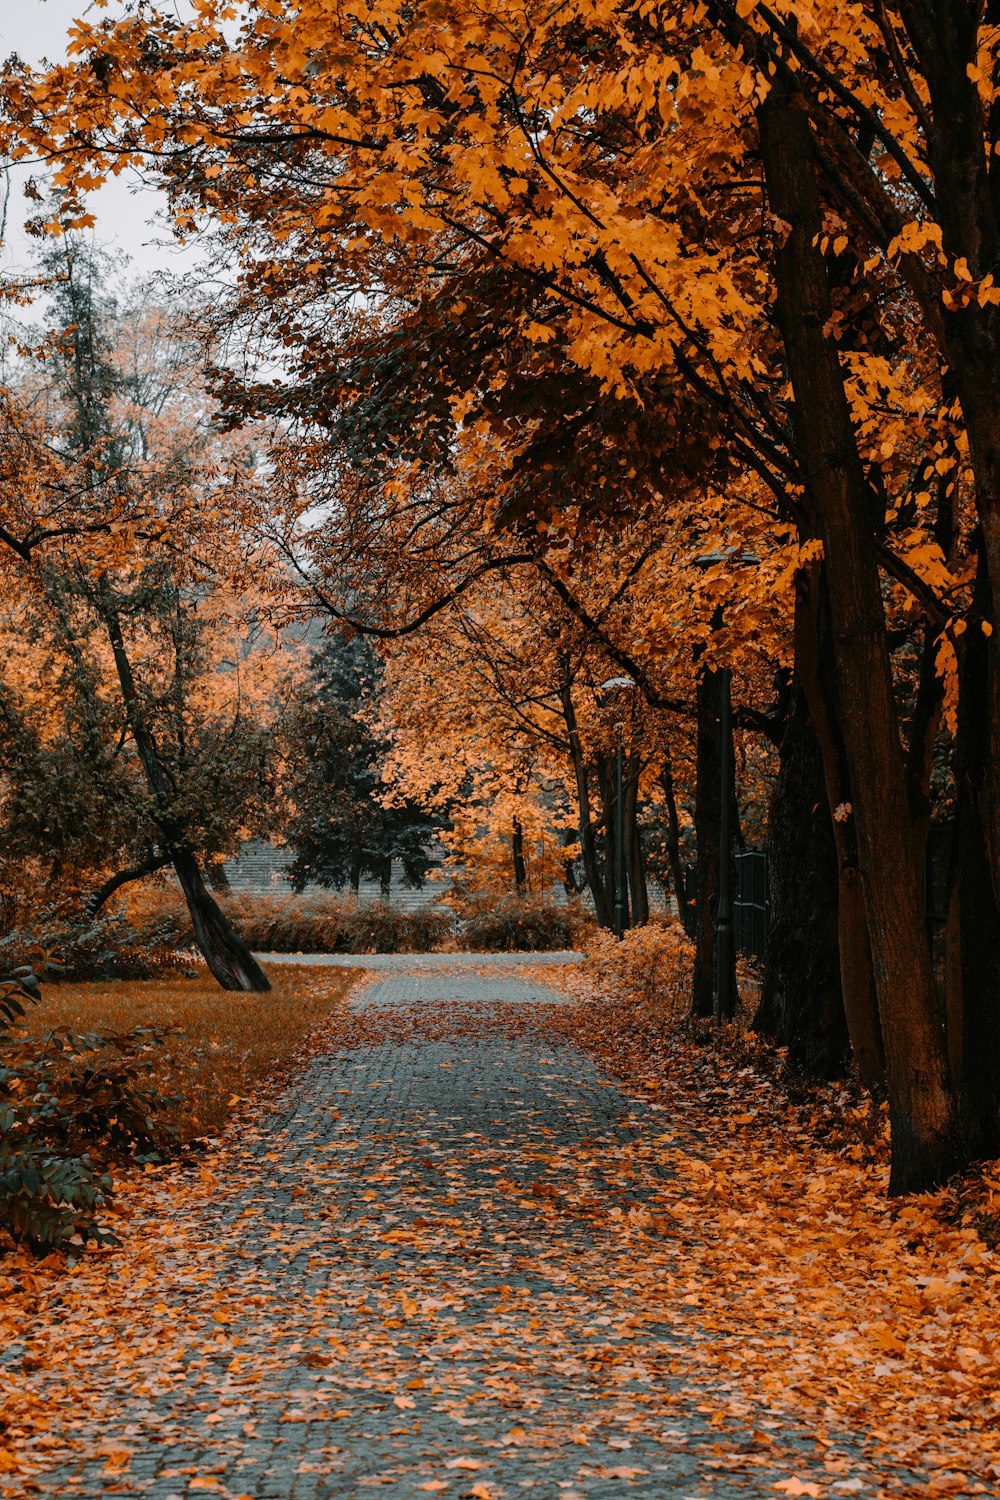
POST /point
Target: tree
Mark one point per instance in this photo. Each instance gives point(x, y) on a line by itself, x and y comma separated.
point(653, 173)
point(142, 622)
point(341, 826)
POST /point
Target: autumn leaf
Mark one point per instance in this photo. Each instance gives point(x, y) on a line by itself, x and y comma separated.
point(797, 1486)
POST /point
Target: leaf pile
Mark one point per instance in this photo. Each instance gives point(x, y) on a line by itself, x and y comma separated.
point(707, 1289)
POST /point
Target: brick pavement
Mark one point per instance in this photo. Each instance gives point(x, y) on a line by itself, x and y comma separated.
point(413, 1282)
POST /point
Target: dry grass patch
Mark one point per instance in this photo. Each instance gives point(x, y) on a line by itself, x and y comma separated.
point(221, 1049)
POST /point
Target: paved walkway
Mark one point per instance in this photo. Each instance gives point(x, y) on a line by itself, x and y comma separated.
point(433, 1273)
point(406, 962)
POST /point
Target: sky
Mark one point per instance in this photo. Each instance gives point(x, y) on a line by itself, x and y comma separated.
point(36, 29)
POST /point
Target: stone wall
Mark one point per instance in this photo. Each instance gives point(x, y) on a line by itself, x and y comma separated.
point(261, 869)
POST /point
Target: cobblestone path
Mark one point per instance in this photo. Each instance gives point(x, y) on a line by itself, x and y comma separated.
point(413, 1282)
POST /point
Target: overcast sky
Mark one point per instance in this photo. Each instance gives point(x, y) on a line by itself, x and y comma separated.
point(36, 29)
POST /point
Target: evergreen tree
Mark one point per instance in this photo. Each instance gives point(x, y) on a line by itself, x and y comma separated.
point(341, 828)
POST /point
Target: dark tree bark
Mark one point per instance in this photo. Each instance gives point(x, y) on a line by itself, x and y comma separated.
point(570, 883)
point(517, 855)
point(588, 841)
point(802, 1003)
point(706, 832)
point(103, 894)
point(979, 916)
point(925, 1135)
point(634, 861)
point(707, 827)
point(685, 906)
point(813, 665)
point(385, 877)
point(606, 781)
point(215, 872)
point(224, 950)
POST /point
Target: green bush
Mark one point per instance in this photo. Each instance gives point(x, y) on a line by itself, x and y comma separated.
point(335, 924)
point(72, 1106)
point(378, 927)
point(522, 924)
point(331, 924)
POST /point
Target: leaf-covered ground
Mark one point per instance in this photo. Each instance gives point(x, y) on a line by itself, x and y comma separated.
point(461, 1259)
point(220, 1049)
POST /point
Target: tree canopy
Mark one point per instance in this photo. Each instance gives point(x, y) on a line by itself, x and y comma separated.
point(660, 337)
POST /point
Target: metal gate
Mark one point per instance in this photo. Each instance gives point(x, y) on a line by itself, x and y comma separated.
point(752, 907)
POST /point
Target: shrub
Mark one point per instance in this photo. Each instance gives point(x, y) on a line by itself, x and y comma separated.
point(107, 946)
point(378, 927)
point(521, 924)
point(72, 1106)
point(335, 924)
point(221, 1048)
point(652, 965)
point(331, 924)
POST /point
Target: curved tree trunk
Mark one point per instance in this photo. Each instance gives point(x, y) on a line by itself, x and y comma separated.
point(225, 952)
point(222, 947)
point(104, 892)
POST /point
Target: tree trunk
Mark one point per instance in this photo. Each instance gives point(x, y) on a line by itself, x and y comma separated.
point(979, 916)
point(707, 821)
point(685, 907)
point(634, 862)
point(607, 782)
point(588, 843)
point(385, 876)
point(356, 872)
point(802, 1004)
point(517, 853)
point(215, 871)
point(946, 37)
point(925, 1137)
point(570, 884)
point(222, 948)
point(813, 653)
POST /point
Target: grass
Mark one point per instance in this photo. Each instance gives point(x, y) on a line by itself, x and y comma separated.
point(222, 1050)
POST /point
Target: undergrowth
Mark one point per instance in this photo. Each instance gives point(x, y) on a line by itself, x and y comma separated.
point(73, 1105)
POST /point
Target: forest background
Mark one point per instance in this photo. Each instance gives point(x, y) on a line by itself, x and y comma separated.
point(630, 341)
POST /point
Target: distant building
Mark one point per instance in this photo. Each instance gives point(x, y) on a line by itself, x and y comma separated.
point(261, 869)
